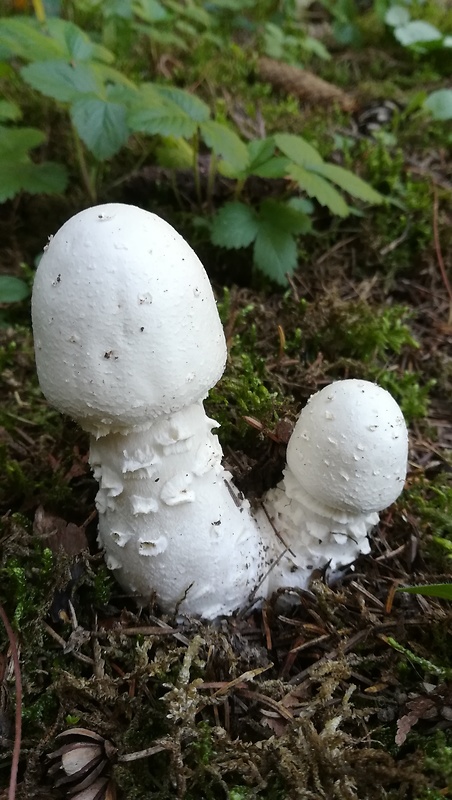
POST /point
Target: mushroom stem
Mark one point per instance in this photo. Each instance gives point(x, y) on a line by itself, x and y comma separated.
point(170, 519)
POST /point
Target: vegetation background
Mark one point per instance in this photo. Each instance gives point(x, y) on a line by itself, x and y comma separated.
point(304, 151)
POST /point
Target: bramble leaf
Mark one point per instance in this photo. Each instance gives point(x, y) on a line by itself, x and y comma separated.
point(61, 80)
point(348, 181)
point(234, 226)
point(12, 289)
point(316, 186)
point(275, 252)
point(195, 108)
point(297, 149)
point(101, 124)
point(225, 143)
point(439, 104)
point(23, 38)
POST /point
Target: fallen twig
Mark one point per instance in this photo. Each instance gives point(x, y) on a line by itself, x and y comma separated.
point(18, 717)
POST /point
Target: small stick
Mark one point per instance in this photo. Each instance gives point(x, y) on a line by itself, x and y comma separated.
point(439, 254)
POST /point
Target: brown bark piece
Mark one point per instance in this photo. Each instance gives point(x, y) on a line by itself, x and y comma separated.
point(303, 84)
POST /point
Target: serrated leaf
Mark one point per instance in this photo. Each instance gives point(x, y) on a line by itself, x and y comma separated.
point(275, 167)
point(195, 108)
point(47, 178)
point(106, 73)
point(275, 253)
point(9, 111)
point(442, 590)
point(316, 186)
point(439, 104)
point(297, 149)
point(234, 226)
point(150, 11)
point(23, 38)
point(12, 289)
point(74, 43)
point(348, 181)
point(60, 80)
point(16, 142)
point(165, 120)
point(283, 216)
point(101, 125)
point(225, 143)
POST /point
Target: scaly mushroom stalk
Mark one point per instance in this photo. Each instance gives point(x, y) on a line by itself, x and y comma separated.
point(128, 342)
point(346, 462)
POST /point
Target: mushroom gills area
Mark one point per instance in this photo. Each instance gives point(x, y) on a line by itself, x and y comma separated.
point(171, 523)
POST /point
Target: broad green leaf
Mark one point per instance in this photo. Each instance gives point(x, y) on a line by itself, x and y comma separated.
point(275, 252)
point(166, 120)
point(16, 142)
point(76, 43)
point(23, 38)
point(275, 167)
point(442, 590)
point(61, 80)
point(174, 153)
point(440, 104)
point(234, 226)
point(348, 181)
point(195, 108)
point(283, 216)
point(47, 178)
point(417, 32)
point(101, 125)
point(107, 74)
point(311, 45)
point(397, 15)
point(9, 111)
point(12, 289)
point(225, 143)
point(150, 10)
point(301, 204)
point(298, 149)
point(316, 186)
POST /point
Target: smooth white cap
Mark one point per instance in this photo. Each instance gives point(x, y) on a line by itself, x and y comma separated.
point(349, 447)
point(125, 321)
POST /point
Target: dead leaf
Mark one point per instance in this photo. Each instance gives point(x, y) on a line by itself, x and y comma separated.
point(57, 534)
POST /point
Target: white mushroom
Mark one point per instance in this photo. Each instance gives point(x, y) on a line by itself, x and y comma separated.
point(128, 342)
point(346, 461)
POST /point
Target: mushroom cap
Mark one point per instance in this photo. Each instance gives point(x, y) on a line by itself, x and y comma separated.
point(349, 447)
point(125, 322)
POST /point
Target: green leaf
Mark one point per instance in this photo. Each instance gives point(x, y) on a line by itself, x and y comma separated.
point(12, 289)
point(150, 10)
point(397, 15)
point(275, 253)
point(9, 111)
point(316, 186)
point(348, 181)
point(47, 178)
point(283, 216)
point(417, 32)
point(75, 43)
point(442, 590)
point(16, 142)
point(166, 120)
point(101, 124)
point(298, 149)
point(23, 38)
point(440, 104)
point(234, 226)
point(225, 143)
point(61, 80)
point(174, 153)
point(195, 108)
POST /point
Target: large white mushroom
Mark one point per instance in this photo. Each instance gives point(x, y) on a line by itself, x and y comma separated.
point(346, 462)
point(128, 343)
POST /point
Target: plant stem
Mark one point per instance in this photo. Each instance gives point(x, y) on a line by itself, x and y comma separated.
point(195, 145)
point(149, 751)
point(38, 8)
point(18, 718)
point(211, 179)
point(83, 167)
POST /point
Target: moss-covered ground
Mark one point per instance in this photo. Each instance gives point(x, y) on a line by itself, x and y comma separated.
point(345, 693)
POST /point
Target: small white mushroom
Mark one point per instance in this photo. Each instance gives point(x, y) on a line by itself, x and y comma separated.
point(346, 461)
point(128, 342)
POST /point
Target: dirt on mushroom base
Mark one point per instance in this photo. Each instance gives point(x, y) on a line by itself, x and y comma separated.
point(301, 700)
